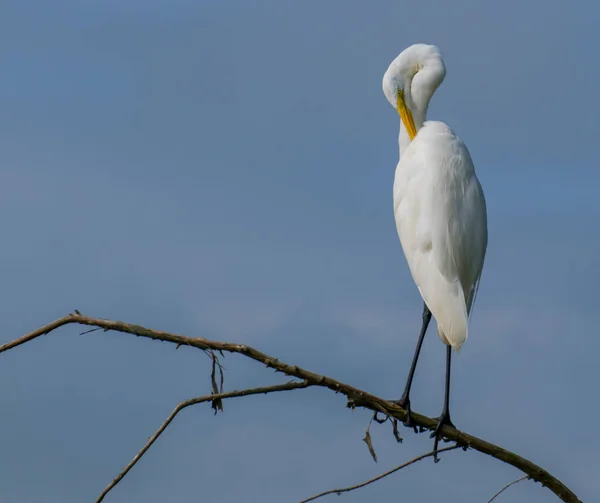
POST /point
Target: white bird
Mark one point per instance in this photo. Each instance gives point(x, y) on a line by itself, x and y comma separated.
point(439, 207)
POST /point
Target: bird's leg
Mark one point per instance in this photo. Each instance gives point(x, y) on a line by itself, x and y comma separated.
point(404, 401)
point(444, 419)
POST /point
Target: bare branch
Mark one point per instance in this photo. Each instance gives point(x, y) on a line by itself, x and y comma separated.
point(379, 477)
point(507, 486)
point(194, 401)
point(46, 329)
point(356, 397)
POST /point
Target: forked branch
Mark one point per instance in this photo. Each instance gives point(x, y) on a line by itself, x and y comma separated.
point(356, 397)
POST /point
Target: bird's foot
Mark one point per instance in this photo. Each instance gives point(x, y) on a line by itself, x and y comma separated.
point(443, 420)
point(404, 402)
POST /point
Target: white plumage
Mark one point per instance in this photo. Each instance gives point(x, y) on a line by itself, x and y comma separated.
point(439, 204)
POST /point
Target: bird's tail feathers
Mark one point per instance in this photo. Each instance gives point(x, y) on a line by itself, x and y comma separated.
point(454, 339)
point(451, 314)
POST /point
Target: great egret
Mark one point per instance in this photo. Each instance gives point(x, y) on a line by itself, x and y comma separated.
point(439, 208)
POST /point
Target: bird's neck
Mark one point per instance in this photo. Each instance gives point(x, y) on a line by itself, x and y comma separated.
point(419, 113)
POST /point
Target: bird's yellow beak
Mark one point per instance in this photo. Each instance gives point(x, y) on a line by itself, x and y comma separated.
point(405, 115)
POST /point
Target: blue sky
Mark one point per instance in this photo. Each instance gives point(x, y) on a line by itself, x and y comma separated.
point(225, 169)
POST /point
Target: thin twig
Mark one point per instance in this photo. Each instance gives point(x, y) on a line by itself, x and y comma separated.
point(356, 397)
point(194, 401)
point(379, 477)
point(507, 486)
point(90, 331)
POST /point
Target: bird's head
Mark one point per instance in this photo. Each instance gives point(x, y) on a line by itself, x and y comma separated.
point(411, 80)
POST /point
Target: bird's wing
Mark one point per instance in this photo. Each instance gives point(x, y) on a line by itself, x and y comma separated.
point(459, 219)
point(423, 241)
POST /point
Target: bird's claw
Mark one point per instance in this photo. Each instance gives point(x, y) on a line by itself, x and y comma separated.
point(408, 422)
point(443, 420)
point(377, 420)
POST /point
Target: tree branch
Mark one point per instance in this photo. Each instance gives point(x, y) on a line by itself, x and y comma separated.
point(194, 401)
point(356, 396)
point(379, 477)
point(507, 486)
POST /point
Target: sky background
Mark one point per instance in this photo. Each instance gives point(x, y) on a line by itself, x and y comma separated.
point(224, 169)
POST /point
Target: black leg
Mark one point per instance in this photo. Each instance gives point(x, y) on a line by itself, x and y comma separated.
point(444, 419)
point(404, 402)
